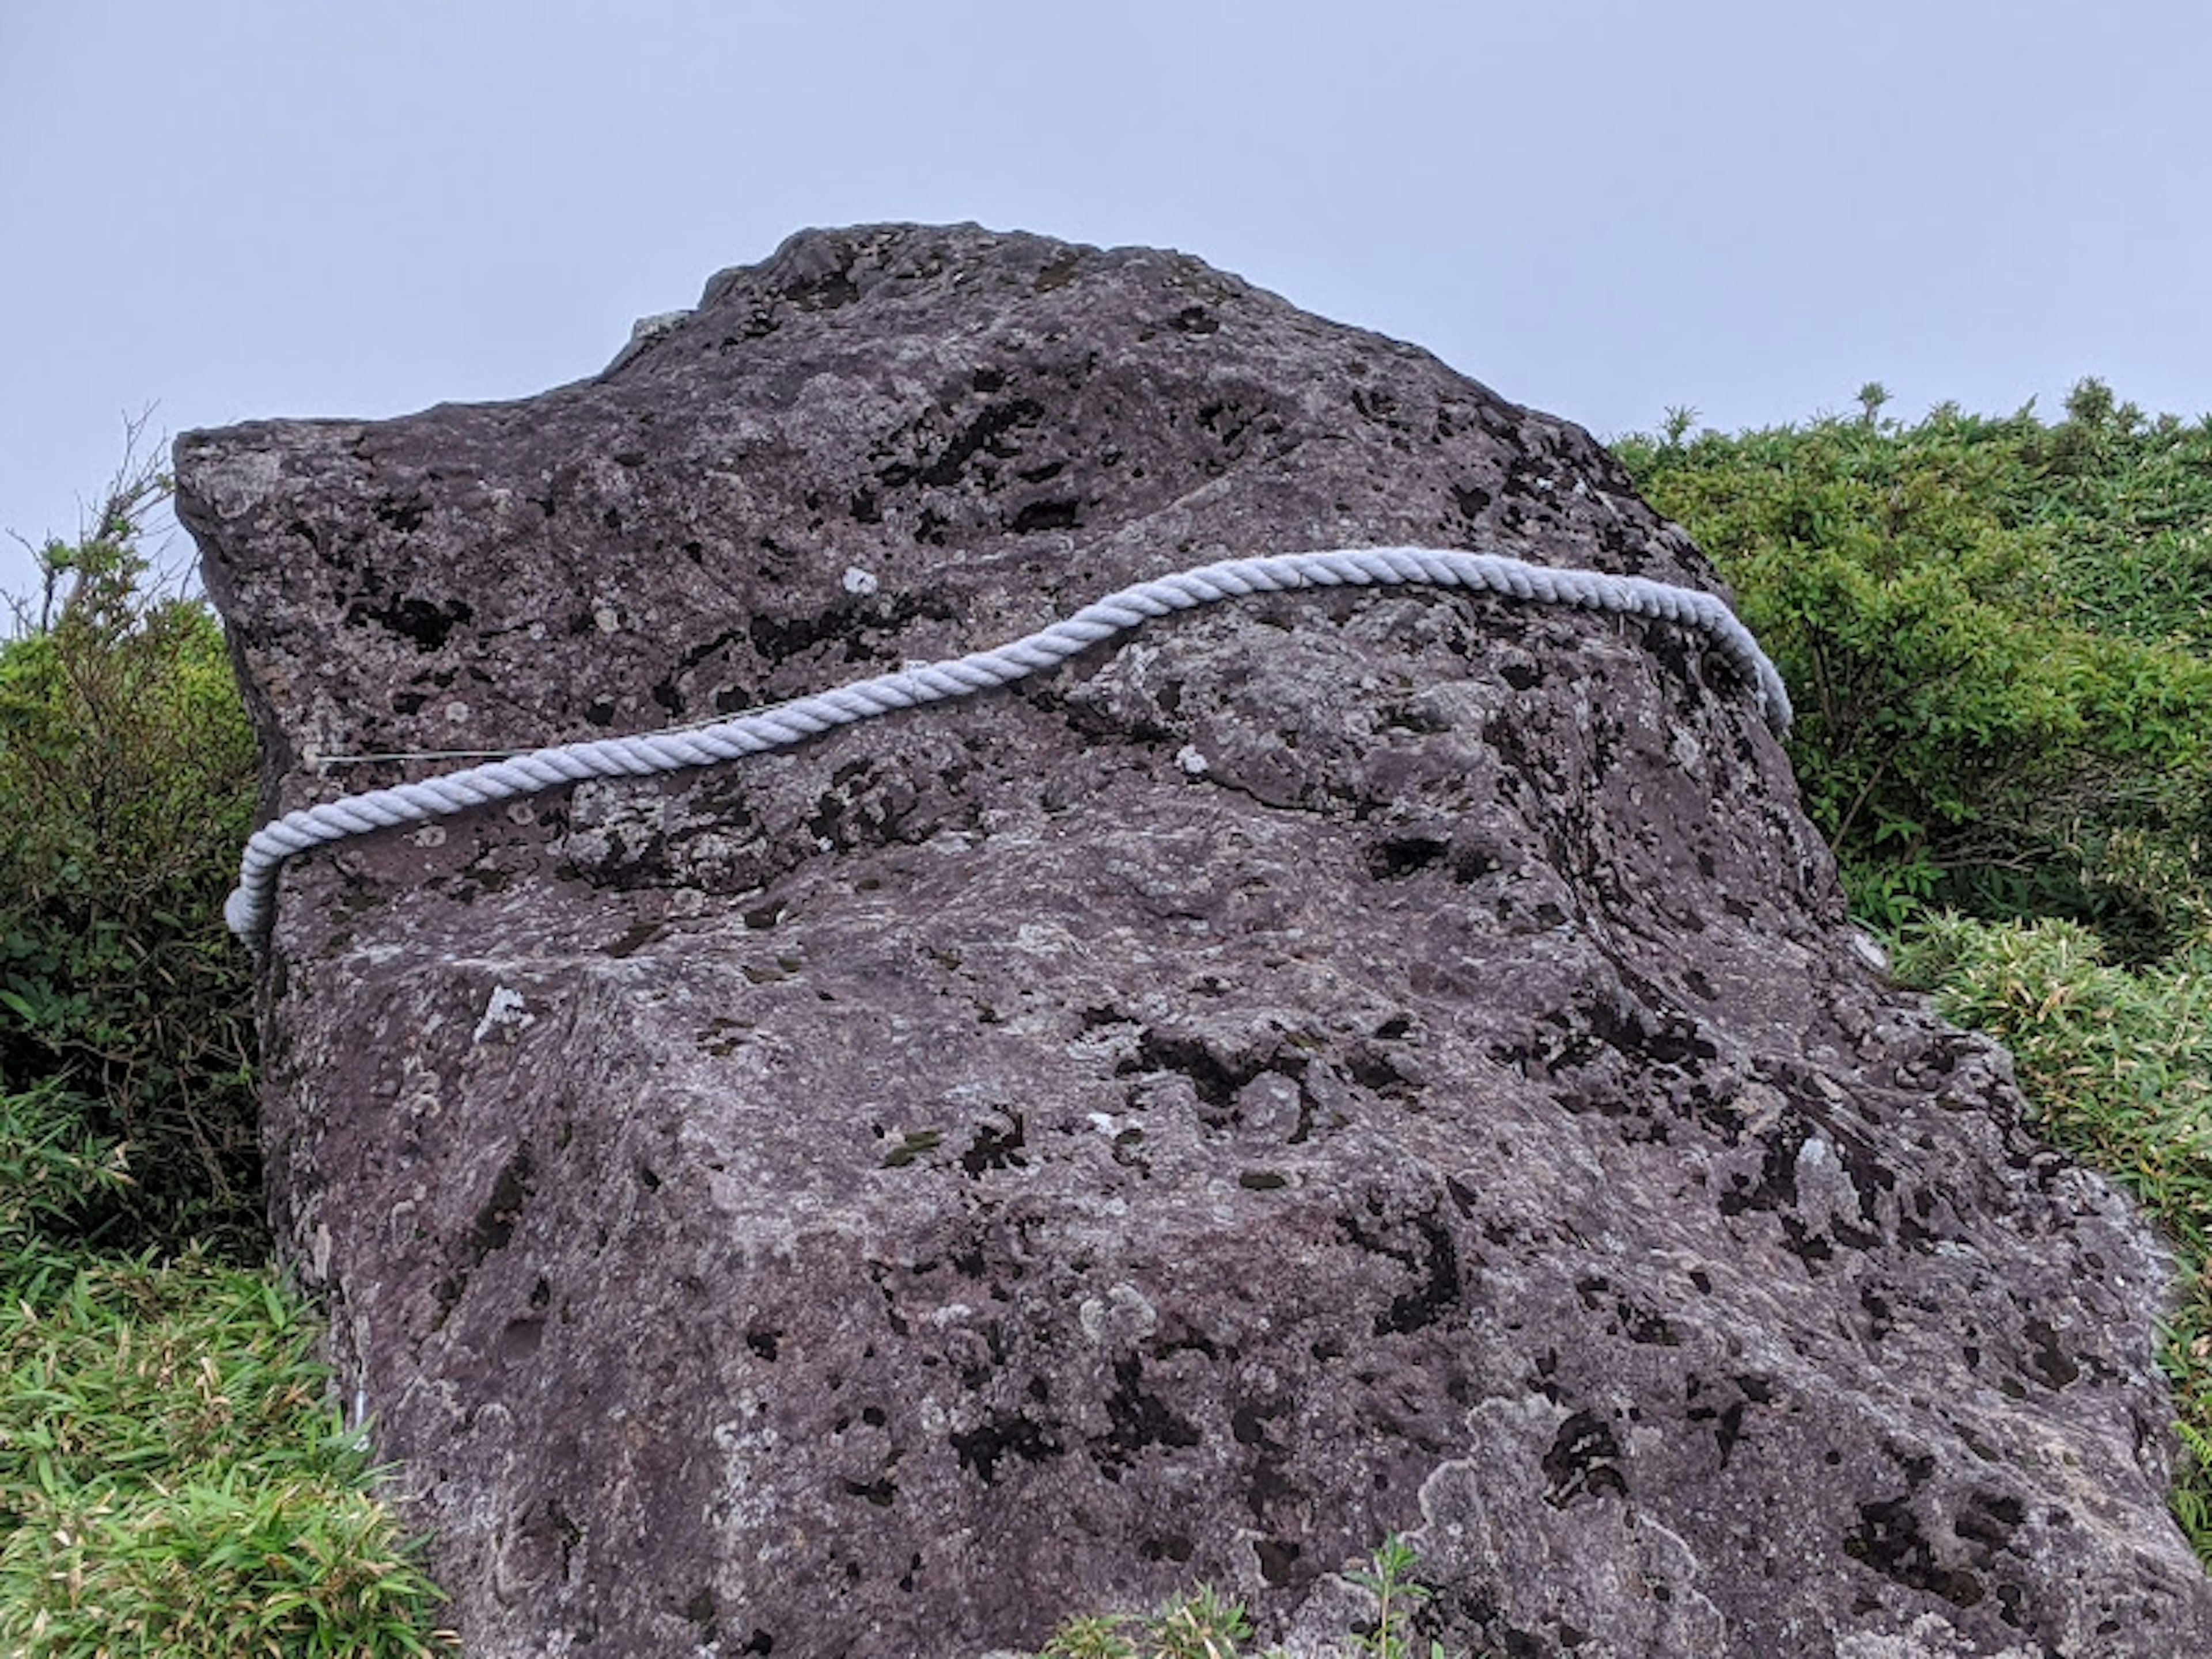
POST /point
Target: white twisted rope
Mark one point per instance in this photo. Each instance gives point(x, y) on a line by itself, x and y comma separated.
point(248, 907)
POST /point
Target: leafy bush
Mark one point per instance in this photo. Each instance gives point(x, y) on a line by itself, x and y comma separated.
point(1997, 632)
point(126, 787)
point(52, 1168)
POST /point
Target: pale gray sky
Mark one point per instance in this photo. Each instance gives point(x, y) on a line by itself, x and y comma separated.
point(242, 208)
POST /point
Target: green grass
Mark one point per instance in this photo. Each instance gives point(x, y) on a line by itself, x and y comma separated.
point(172, 1482)
point(1202, 1624)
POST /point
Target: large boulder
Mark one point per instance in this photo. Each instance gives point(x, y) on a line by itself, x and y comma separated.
point(1328, 1064)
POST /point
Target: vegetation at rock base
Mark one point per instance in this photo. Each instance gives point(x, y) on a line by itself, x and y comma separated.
point(173, 1481)
point(2116, 1062)
point(1999, 634)
point(1201, 1624)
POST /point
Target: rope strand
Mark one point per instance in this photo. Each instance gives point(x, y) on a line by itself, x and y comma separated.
point(248, 908)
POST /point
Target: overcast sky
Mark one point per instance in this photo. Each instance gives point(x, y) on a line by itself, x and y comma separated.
point(236, 208)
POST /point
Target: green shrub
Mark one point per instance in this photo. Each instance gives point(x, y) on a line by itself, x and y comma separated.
point(1996, 634)
point(126, 787)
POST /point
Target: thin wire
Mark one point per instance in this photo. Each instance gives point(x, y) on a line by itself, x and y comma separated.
point(322, 761)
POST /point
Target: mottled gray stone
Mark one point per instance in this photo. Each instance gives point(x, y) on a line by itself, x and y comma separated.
point(982, 1164)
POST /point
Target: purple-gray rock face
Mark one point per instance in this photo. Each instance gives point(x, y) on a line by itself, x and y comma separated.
point(1328, 1064)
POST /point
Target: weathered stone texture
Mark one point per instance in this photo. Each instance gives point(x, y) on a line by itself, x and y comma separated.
point(1328, 1065)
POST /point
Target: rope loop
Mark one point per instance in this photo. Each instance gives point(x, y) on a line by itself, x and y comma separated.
point(247, 909)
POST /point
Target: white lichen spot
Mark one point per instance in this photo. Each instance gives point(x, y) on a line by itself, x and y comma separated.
point(1869, 951)
point(1039, 938)
point(747, 1437)
point(1193, 763)
point(1931, 1637)
point(1092, 1316)
point(430, 834)
point(860, 583)
point(606, 618)
point(1123, 1316)
point(504, 1008)
point(521, 812)
point(243, 482)
point(456, 713)
point(1133, 1310)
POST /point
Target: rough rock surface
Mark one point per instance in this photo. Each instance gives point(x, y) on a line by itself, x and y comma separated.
point(1329, 1065)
